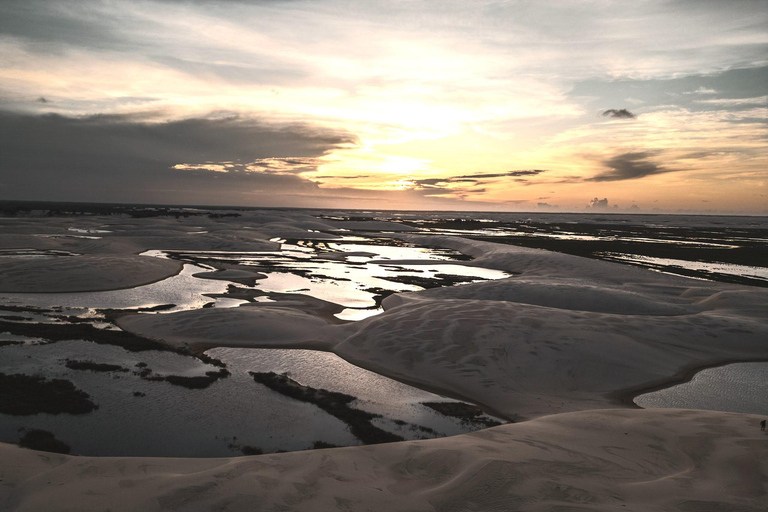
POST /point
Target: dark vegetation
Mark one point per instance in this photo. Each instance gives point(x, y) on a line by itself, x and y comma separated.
point(379, 295)
point(438, 281)
point(65, 209)
point(87, 332)
point(465, 412)
point(251, 450)
point(43, 441)
point(14, 318)
point(334, 403)
point(111, 313)
point(93, 366)
point(322, 445)
point(198, 382)
point(22, 309)
point(7, 343)
point(23, 395)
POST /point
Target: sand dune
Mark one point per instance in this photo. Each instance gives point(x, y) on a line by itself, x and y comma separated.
point(639, 460)
point(82, 273)
point(524, 361)
point(522, 347)
point(246, 326)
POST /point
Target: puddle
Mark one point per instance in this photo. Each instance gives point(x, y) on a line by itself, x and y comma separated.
point(739, 387)
point(700, 267)
point(173, 421)
point(183, 290)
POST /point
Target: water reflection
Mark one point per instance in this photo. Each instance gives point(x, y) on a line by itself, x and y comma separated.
point(138, 417)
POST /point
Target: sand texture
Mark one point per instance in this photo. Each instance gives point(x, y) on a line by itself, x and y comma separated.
point(637, 460)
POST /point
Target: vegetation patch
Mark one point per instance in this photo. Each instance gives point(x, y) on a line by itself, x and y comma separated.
point(43, 441)
point(197, 382)
point(322, 445)
point(93, 366)
point(23, 395)
point(438, 281)
point(87, 332)
point(14, 318)
point(334, 403)
point(251, 450)
point(22, 309)
point(465, 412)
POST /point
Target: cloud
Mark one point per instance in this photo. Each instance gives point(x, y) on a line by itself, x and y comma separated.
point(598, 204)
point(702, 90)
point(759, 100)
point(127, 158)
point(41, 99)
point(343, 177)
point(527, 172)
point(619, 114)
point(629, 166)
point(262, 165)
point(477, 178)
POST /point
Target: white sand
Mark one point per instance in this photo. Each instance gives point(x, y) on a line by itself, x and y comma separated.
point(637, 460)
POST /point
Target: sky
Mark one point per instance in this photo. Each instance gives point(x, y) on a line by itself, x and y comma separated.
point(649, 105)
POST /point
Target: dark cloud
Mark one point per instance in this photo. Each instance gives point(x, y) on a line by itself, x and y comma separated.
point(127, 158)
point(619, 114)
point(332, 177)
point(527, 172)
point(598, 204)
point(629, 166)
point(42, 99)
point(476, 178)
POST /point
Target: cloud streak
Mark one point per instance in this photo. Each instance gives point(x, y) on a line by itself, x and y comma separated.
point(521, 175)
